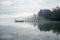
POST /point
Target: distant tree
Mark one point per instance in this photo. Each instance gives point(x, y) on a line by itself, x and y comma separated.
point(56, 11)
point(45, 13)
point(51, 15)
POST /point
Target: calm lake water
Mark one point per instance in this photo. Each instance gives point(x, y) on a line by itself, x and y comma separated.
point(29, 31)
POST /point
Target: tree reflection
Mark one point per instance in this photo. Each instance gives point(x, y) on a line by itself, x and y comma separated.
point(54, 26)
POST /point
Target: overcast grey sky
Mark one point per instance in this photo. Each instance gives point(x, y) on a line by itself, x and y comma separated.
point(19, 8)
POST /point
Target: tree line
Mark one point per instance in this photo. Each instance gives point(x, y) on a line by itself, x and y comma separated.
point(52, 15)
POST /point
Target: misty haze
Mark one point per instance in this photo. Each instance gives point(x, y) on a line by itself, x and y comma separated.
point(29, 19)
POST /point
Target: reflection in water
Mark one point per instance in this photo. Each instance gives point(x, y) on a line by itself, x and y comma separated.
point(54, 26)
point(6, 33)
point(26, 31)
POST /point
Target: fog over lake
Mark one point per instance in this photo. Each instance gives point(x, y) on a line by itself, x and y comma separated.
point(29, 19)
point(9, 30)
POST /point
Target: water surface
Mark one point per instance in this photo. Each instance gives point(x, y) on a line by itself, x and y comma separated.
point(29, 31)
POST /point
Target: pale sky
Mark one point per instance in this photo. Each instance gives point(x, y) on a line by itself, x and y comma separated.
point(22, 8)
